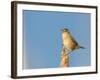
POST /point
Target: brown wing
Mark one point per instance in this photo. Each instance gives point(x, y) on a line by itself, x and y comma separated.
point(75, 44)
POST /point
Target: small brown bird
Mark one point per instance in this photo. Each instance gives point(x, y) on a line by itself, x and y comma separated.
point(69, 43)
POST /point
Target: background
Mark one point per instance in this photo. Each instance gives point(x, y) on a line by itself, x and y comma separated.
point(43, 38)
point(5, 41)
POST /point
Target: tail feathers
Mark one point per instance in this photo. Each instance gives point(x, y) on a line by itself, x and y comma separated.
point(81, 47)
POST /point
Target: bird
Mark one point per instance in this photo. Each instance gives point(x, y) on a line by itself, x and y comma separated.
point(68, 42)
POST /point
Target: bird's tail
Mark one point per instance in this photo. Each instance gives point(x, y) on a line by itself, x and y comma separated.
point(81, 47)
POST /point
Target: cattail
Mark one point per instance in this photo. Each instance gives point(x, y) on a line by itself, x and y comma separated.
point(64, 58)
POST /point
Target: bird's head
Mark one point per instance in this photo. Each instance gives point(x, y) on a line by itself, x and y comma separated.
point(65, 30)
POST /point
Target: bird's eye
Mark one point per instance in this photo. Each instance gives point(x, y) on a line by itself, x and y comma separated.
point(66, 30)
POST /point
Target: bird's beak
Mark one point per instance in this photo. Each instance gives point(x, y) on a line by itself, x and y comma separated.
point(61, 30)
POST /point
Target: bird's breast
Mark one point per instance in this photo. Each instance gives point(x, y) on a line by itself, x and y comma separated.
point(68, 41)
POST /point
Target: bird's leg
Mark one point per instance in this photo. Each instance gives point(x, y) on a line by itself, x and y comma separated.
point(68, 51)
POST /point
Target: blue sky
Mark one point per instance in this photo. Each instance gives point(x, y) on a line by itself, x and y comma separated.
point(42, 41)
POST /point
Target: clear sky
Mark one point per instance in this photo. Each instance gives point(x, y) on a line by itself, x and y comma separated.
point(43, 41)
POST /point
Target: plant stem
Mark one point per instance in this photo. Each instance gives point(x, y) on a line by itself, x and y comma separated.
point(64, 58)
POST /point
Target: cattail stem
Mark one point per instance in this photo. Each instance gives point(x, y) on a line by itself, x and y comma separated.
point(64, 58)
